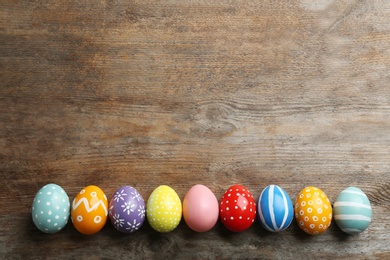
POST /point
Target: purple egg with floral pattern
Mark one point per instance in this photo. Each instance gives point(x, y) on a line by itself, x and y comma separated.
point(127, 209)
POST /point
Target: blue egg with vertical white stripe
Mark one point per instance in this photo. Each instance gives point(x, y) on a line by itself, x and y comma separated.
point(275, 209)
point(352, 211)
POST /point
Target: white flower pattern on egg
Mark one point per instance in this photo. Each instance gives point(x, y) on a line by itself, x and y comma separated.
point(127, 209)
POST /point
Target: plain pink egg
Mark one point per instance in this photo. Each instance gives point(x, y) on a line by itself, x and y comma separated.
point(200, 208)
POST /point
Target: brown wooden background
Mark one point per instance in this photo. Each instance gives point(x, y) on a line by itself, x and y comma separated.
point(174, 92)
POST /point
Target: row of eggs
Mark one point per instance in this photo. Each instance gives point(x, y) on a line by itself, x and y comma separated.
point(237, 209)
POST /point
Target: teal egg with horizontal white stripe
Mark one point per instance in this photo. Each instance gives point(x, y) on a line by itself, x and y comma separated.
point(275, 209)
point(352, 211)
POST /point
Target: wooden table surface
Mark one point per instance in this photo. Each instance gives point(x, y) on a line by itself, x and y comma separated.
point(145, 93)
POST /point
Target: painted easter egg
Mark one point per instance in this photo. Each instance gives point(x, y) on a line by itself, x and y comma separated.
point(313, 211)
point(164, 209)
point(237, 209)
point(200, 208)
point(89, 210)
point(127, 209)
point(352, 211)
point(50, 208)
point(275, 209)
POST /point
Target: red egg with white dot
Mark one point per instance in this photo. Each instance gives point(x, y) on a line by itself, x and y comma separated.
point(237, 208)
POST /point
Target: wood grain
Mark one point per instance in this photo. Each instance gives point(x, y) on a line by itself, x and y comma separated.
point(145, 93)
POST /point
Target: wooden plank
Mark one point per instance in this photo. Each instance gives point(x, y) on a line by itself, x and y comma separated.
point(292, 93)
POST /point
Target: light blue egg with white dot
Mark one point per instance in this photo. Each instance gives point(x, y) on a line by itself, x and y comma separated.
point(50, 208)
point(352, 211)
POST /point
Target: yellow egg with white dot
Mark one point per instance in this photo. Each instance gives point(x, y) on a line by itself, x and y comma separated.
point(164, 209)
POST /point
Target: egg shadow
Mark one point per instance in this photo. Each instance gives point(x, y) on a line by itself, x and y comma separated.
point(237, 238)
point(68, 238)
point(225, 233)
point(112, 233)
point(33, 234)
point(29, 237)
point(185, 231)
point(298, 233)
point(340, 235)
point(260, 231)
